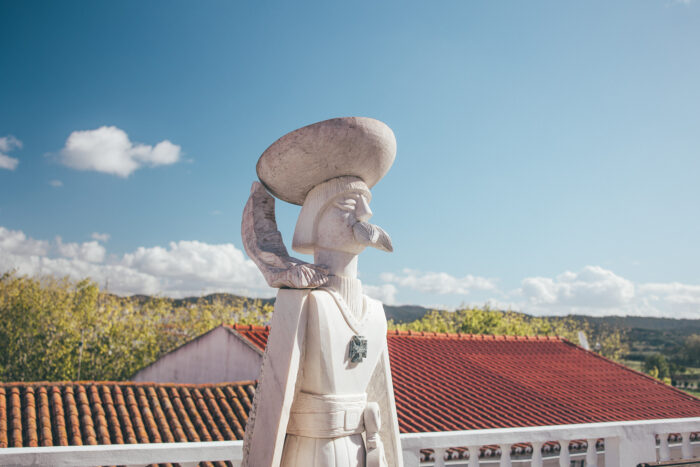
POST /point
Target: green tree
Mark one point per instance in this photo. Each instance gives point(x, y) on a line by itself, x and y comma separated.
point(58, 329)
point(484, 320)
point(689, 353)
point(657, 366)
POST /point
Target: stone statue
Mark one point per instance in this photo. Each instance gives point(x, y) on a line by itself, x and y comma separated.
point(325, 397)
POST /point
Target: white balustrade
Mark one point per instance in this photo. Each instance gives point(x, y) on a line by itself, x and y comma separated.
point(124, 454)
point(564, 457)
point(505, 456)
point(626, 445)
point(439, 457)
point(592, 452)
point(536, 460)
point(473, 456)
point(664, 450)
point(687, 452)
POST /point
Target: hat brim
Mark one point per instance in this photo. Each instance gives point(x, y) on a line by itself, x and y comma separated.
point(349, 146)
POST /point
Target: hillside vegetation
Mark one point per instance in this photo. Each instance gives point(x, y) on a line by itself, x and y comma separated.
point(58, 329)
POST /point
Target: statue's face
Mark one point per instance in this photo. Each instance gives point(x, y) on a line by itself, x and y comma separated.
point(343, 226)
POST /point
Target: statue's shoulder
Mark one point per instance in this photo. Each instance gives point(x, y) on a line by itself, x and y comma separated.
point(302, 297)
point(376, 308)
point(295, 293)
point(321, 295)
point(291, 298)
point(374, 303)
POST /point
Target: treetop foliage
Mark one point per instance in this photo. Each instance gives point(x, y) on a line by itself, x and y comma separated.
point(58, 330)
point(609, 342)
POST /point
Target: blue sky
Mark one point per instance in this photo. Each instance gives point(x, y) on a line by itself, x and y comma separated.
point(548, 152)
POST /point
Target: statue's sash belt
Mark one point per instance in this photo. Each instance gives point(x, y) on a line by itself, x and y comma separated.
point(327, 416)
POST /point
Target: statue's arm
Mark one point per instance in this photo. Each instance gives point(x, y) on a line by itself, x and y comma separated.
point(267, 423)
point(263, 243)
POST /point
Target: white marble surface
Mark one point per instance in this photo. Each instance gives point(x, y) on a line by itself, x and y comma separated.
point(308, 373)
point(347, 146)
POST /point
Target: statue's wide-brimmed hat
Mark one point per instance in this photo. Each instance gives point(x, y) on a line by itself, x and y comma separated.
point(350, 146)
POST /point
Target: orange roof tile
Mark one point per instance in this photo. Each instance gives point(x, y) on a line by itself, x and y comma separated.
point(83, 413)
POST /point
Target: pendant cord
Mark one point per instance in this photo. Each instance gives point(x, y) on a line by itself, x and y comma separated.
point(351, 321)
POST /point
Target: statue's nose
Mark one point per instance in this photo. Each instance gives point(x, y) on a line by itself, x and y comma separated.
point(362, 210)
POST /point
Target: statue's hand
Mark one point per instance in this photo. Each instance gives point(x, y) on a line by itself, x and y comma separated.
point(263, 243)
point(300, 276)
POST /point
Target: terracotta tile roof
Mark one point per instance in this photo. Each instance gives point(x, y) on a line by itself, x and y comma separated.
point(257, 335)
point(442, 382)
point(446, 382)
point(84, 413)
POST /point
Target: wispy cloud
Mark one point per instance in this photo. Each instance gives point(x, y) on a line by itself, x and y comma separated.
point(592, 287)
point(385, 293)
point(7, 144)
point(108, 149)
point(100, 237)
point(438, 282)
point(179, 269)
point(192, 268)
point(56, 183)
point(593, 291)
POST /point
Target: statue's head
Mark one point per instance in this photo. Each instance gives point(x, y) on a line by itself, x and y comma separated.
point(328, 168)
point(335, 216)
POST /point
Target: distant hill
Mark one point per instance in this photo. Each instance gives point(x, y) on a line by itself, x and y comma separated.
point(400, 314)
point(645, 335)
point(405, 313)
point(408, 313)
point(689, 326)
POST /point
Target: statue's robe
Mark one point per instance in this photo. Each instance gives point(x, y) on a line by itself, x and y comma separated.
point(303, 322)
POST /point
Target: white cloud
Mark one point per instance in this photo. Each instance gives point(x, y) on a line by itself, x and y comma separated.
point(439, 282)
point(100, 237)
point(598, 291)
point(8, 143)
point(56, 183)
point(7, 162)
point(16, 242)
point(108, 149)
point(593, 290)
point(385, 293)
point(196, 266)
point(681, 299)
point(91, 252)
point(593, 287)
point(182, 269)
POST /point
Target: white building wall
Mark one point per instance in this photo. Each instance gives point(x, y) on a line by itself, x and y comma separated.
point(218, 356)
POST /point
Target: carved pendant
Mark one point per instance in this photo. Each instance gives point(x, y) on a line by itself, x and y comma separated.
point(358, 349)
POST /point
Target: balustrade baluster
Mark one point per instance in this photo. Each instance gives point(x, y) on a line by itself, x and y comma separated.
point(664, 450)
point(564, 458)
point(591, 453)
point(473, 456)
point(686, 450)
point(536, 454)
point(439, 457)
point(505, 456)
